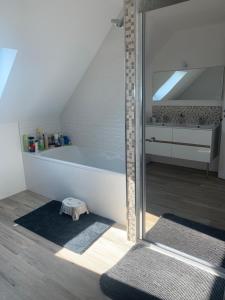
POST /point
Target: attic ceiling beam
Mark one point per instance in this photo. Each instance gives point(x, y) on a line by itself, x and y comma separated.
point(147, 5)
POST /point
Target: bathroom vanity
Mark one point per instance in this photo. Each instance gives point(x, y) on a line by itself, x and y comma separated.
point(188, 142)
point(183, 103)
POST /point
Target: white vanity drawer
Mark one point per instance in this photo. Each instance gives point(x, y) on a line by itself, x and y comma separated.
point(191, 153)
point(158, 149)
point(159, 133)
point(192, 136)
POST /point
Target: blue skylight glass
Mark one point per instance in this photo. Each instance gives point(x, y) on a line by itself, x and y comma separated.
point(167, 87)
point(7, 59)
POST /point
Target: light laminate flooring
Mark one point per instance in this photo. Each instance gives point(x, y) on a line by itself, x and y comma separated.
point(184, 192)
point(36, 269)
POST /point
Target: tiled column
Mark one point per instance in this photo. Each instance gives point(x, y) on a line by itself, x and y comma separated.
point(130, 48)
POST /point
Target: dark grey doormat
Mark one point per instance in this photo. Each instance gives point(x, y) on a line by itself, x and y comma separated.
point(145, 274)
point(76, 236)
point(201, 241)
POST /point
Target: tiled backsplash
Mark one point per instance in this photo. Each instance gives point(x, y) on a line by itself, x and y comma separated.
point(188, 114)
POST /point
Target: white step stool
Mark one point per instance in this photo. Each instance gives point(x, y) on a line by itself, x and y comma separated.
point(74, 208)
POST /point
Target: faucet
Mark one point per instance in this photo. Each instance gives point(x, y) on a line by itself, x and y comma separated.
point(181, 118)
point(165, 119)
point(201, 121)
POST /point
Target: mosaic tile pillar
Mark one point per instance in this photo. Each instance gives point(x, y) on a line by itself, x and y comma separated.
point(130, 66)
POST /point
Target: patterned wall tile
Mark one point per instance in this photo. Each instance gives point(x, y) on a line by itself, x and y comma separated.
point(130, 57)
point(190, 114)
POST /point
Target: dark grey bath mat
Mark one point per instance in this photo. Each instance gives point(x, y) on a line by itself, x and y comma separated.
point(144, 274)
point(201, 241)
point(76, 236)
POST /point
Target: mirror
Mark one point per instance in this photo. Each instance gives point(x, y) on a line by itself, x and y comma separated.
point(189, 84)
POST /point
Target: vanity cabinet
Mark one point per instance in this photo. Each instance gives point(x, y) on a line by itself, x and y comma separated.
point(193, 136)
point(192, 144)
point(191, 153)
point(158, 133)
point(196, 144)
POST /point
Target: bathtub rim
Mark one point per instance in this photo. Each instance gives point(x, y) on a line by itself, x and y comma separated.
point(68, 163)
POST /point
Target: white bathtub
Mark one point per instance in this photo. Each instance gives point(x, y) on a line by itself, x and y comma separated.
point(73, 171)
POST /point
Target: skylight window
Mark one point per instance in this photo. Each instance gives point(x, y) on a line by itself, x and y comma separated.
point(167, 87)
point(7, 59)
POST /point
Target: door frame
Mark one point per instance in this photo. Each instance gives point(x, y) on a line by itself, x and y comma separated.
point(140, 125)
point(134, 23)
point(140, 86)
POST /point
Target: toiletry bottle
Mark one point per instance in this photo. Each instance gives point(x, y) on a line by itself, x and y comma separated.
point(56, 137)
point(46, 141)
point(51, 141)
point(39, 133)
point(61, 140)
point(31, 144)
point(25, 143)
point(41, 145)
point(67, 140)
point(36, 146)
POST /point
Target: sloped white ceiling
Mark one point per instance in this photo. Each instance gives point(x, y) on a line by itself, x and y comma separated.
point(163, 23)
point(56, 41)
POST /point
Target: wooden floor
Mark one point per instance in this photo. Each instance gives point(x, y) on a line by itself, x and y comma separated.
point(36, 269)
point(185, 192)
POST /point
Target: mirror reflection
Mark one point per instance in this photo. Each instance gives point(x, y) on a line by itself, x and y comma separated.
point(184, 128)
point(189, 84)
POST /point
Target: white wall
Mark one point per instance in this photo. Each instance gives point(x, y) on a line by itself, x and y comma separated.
point(198, 47)
point(11, 164)
point(95, 115)
point(202, 46)
point(56, 41)
point(12, 179)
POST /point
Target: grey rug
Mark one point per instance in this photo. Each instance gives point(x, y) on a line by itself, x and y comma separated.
point(76, 236)
point(195, 239)
point(145, 274)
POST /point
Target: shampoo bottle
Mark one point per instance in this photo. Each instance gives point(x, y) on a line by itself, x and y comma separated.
point(46, 141)
point(41, 145)
point(25, 143)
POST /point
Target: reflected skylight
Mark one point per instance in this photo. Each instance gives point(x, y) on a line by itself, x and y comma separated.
point(167, 87)
point(7, 59)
